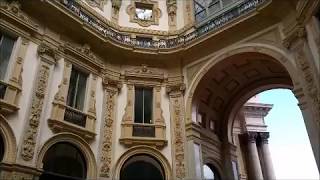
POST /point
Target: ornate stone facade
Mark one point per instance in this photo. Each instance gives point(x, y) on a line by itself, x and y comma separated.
point(198, 116)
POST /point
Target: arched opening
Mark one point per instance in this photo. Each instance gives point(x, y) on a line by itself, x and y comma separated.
point(210, 172)
point(64, 161)
point(221, 88)
point(142, 167)
point(1, 148)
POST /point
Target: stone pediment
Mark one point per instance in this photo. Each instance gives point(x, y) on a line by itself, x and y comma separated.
point(144, 72)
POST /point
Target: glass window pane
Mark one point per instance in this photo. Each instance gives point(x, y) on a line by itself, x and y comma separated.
point(147, 105)
point(6, 46)
point(138, 105)
point(72, 88)
point(226, 2)
point(81, 92)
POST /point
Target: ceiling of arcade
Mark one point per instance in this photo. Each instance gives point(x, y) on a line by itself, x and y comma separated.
point(231, 79)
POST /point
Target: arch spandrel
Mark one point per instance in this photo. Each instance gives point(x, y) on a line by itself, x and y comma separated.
point(78, 142)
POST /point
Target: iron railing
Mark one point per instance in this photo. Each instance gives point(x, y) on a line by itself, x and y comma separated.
point(166, 42)
point(75, 116)
point(143, 130)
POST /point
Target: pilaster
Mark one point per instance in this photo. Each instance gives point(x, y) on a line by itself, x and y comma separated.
point(48, 56)
point(111, 89)
point(178, 128)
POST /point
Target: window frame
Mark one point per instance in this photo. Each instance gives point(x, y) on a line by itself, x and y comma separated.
point(14, 51)
point(80, 71)
point(152, 105)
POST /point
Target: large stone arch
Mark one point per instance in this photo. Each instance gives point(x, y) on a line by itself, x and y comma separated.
point(212, 161)
point(287, 61)
point(78, 142)
point(277, 54)
point(147, 150)
point(9, 139)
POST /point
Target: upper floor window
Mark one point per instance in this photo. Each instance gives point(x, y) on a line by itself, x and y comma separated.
point(6, 47)
point(143, 105)
point(206, 8)
point(77, 89)
point(143, 11)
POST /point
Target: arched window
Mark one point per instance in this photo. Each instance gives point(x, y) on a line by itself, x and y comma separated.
point(1, 148)
point(142, 167)
point(210, 172)
point(64, 161)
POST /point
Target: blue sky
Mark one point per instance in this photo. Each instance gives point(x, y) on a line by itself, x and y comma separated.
point(289, 143)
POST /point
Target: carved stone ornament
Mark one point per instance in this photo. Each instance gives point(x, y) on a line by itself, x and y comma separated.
point(110, 96)
point(156, 13)
point(14, 7)
point(29, 141)
point(145, 72)
point(45, 50)
point(172, 12)
point(96, 3)
point(251, 136)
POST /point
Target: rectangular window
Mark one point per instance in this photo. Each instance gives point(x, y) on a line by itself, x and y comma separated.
point(6, 47)
point(77, 89)
point(143, 105)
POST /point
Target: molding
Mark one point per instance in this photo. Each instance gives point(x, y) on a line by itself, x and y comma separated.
point(156, 13)
point(96, 3)
point(143, 150)
point(13, 11)
point(10, 143)
point(146, 77)
point(77, 141)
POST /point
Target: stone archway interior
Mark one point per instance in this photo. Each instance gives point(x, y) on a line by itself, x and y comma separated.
point(1, 148)
point(64, 161)
point(210, 172)
point(142, 167)
point(229, 81)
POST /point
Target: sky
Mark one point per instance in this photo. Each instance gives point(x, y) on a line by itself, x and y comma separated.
point(289, 144)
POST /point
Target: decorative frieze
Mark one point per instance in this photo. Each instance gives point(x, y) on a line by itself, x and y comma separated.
point(29, 142)
point(111, 91)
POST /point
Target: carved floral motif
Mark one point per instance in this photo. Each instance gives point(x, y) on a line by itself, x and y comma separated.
point(29, 141)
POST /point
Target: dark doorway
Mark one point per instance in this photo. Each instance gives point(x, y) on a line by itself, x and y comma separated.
point(63, 161)
point(142, 167)
point(1, 148)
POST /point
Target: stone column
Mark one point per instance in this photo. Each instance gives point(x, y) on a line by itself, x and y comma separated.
point(254, 167)
point(268, 171)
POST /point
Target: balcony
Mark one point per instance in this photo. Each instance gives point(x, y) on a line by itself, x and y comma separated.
point(67, 119)
point(75, 116)
point(143, 134)
point(168, 41)
point(9, 96)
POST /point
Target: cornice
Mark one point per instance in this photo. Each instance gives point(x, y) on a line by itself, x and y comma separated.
point(13, 11)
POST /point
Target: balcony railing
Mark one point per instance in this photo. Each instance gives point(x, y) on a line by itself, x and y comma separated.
point(143, 130)
point(3, 88)
point(166, 42)
point(75, 116)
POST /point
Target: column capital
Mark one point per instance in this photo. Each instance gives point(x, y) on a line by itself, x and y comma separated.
point(111, 85)
point(175, 90)
point(264, 136)
point(251, 136)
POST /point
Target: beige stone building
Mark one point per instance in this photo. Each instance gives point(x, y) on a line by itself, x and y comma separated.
point(151, 89)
